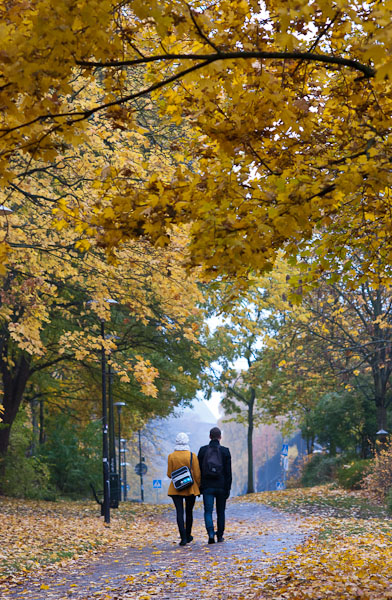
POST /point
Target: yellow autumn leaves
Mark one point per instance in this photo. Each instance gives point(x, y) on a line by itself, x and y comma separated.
point(284, 120)
point(346, 553)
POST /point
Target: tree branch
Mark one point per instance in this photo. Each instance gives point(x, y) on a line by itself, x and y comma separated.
point(367, 71)
point(205, 59)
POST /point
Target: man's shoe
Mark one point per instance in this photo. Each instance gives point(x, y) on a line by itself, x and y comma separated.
point(189, 538)
point(211, 540)
point(220, 538)
point(182, 543)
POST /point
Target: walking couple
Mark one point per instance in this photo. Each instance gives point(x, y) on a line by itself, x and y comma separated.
point(211, 474)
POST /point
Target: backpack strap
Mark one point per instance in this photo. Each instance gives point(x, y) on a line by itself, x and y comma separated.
point(190, 468)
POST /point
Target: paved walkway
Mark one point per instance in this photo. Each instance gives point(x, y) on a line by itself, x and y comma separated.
point(255, 537)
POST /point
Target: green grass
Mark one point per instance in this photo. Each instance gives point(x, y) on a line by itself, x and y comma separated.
point(327, 500)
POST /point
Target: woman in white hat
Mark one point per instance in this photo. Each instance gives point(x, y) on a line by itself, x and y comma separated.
point(181, 457)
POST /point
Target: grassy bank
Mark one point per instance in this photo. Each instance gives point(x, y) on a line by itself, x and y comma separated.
point(348, 557)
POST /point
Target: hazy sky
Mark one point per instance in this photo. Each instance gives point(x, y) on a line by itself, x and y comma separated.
point(214, 403)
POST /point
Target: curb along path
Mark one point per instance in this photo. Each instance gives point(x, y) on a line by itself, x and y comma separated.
point(255, 538)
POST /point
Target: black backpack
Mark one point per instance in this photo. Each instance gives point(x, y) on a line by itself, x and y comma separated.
point(212, 462)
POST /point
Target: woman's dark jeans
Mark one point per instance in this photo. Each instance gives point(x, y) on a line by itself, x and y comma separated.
point(209, 495)
point(184, 528)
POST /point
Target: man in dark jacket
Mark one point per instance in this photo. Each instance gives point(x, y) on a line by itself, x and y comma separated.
point(215, 466)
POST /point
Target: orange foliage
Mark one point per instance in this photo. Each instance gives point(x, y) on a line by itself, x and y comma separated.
point(378, 482)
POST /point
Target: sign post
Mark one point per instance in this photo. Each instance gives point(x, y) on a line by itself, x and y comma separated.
point(157, 485)
point(141, 459)
point(284, 454)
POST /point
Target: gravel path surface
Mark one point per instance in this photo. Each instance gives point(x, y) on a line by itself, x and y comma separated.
point(256, 537)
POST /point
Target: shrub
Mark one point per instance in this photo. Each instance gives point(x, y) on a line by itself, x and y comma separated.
point(73, 453)
point(378, 482)
point(388, 501)
point(25, 476)
point(321, 468)
point(351, 475)
point(294, 479)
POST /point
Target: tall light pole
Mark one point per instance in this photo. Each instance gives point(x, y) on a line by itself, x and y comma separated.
point(114, 476)
point(105, 508)
point(119, 406)
point(112, 447)
point(105, 445)
point(141, 459)
point(124, 478)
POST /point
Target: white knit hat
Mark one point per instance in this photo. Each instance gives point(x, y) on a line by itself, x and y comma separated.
point(182, 441)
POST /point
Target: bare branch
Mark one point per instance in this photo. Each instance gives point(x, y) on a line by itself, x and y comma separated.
point(367, 71)
point(201, 32)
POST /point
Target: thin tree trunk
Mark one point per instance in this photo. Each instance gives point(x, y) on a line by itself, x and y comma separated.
point(332, 448)
point(14, 384)
point(41, 422)
point(309, 444)
point(34, 423)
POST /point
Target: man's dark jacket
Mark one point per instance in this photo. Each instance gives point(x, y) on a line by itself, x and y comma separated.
point(223, 482)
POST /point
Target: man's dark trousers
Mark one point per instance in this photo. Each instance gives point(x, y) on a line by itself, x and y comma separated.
point(209, 495)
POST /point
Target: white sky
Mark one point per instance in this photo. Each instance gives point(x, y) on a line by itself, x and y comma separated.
point(213, 404)
point(241, 364)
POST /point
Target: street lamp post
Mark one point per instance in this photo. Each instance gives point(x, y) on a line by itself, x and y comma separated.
point(105, 507)
point(119, 407)
point(141, 459)
point(112, 447)
point(105, 445)
point(114, 476)
point(124, 478)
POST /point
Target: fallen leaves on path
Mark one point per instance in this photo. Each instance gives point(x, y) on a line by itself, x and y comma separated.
point(345, 566)
point(36, 534)
point(144, 560)
point(349, 557)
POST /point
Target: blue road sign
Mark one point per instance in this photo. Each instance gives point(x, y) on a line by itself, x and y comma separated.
point(285, 449)
point(157, 484)
point(279, 485)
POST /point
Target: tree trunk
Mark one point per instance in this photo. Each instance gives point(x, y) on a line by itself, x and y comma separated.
point(332, 448)
point(41, 422)
point(14, 384)
point(309, 444)
point(34, 423)
point(251, 403)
